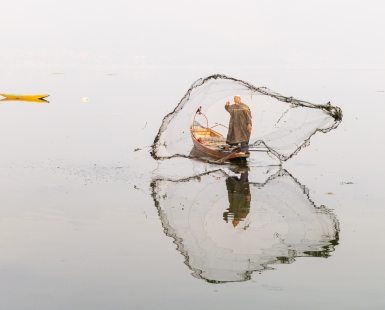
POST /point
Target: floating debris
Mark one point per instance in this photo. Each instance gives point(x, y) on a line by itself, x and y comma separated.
point(85, 99)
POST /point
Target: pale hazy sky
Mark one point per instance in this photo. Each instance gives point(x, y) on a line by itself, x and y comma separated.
point(266, 34)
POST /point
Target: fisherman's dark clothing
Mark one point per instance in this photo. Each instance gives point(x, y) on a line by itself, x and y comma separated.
point(245, 147)
point(239, 197)
point(240, 117)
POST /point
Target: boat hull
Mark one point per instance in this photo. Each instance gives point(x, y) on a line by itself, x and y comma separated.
point(24, 97)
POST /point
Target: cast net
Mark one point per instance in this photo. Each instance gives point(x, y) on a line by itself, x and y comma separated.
point(281, 125)
point(227, 226)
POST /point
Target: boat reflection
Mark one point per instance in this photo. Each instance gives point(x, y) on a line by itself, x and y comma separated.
point(227, 226)
point(41, 101)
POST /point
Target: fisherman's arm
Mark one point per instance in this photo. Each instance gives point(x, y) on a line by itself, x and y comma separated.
point(228, 107)
point(250, 122)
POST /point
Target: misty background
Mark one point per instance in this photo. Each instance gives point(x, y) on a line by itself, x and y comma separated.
point(260, 34)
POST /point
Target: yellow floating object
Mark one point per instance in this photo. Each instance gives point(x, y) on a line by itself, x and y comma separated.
point(24, 97)
point(42, 101)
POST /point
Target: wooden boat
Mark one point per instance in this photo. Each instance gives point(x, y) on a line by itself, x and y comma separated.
point(212, 143)
point(24, 97)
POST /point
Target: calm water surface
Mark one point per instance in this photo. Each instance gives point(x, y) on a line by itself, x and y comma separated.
point(87, 223)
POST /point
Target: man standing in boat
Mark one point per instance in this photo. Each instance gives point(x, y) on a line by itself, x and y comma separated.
point(240, 125)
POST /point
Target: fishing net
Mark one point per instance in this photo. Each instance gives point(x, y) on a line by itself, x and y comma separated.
point(281, 125)
point(227, 226)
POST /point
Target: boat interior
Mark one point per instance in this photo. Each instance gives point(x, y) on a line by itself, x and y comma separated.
point(210, 138)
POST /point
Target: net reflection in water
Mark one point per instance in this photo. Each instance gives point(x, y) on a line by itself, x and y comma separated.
point(228, 227)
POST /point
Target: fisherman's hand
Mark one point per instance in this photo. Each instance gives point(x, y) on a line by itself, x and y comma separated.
point(228, 103)
point(249, 128)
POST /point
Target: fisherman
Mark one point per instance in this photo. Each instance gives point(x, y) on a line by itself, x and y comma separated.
point(240, 124)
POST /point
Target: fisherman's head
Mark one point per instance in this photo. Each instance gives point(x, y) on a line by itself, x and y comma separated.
point(237, 99)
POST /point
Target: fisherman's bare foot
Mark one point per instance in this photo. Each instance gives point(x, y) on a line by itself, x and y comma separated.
point(241, 153)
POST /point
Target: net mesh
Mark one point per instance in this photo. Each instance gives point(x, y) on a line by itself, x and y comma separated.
point(227, 227)
point(282, 124)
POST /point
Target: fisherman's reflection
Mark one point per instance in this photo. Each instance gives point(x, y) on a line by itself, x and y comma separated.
point(238, 190)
